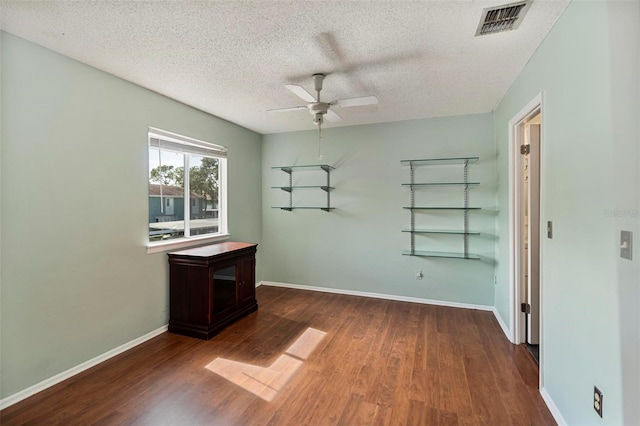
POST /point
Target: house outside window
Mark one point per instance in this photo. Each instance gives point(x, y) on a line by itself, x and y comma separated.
point(179, 165)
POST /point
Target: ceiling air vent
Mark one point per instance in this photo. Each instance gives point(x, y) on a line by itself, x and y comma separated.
point(502, 18)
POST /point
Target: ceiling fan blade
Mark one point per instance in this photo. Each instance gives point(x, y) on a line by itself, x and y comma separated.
point(287, 109)
point(364, 100)
point(332, 117)
point(300, 92)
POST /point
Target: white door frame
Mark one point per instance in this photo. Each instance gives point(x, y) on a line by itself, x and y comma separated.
point(533, 234)
point(516, 291)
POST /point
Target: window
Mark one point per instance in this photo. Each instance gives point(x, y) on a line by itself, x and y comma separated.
point(187, 189)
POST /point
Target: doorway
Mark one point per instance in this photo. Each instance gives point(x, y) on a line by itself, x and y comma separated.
point(526, 145)
point(530, 151)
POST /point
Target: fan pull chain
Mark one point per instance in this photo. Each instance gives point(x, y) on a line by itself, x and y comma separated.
point(319, 157)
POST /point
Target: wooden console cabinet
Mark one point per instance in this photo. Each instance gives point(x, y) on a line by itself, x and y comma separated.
point(211, 287)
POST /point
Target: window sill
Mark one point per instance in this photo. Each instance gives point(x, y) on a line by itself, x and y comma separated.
point(184, 243)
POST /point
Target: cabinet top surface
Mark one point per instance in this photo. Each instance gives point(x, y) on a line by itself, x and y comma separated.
point(213, 249)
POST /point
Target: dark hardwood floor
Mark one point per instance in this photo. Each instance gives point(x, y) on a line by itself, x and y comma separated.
point(381, 362)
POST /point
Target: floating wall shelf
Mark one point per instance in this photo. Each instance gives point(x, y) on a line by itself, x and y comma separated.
point(441, 231)
point(440, 161)
point(289, 169)
point(442, 184)
point(291, 187)
point(442, 208)
point(465, 184)
point(326, 209)
point(440, 254)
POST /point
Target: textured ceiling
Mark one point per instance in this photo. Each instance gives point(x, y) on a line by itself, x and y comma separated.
point(233, 58)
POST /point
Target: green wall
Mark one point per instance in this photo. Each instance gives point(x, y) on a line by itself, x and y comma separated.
point(588, 75)
point(624, 56)
point(359, 245)
point(76, 279)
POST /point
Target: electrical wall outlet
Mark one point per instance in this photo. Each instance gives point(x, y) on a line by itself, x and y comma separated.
point(597, 400)
point(549, 229)
point(419, 274)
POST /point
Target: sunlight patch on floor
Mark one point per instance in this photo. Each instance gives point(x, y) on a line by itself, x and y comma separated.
point(266, 382)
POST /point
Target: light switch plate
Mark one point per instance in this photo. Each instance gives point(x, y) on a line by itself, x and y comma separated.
point(549, 229)
point(626, 245)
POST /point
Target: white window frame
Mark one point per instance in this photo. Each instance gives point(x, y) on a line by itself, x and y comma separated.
point(186, 145)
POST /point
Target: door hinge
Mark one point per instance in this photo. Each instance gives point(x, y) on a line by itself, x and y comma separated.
point(525, 149)
point(525, 307)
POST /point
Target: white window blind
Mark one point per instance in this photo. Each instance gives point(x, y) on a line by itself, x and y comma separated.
point(167, 141)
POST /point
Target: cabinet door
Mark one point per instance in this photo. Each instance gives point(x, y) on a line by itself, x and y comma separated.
point(189, 294)
point(246, 280)
point(225, 293)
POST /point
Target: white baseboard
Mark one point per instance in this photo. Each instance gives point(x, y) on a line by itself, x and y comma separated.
point(503, 326)
point(379, 296)
point(555, 412)
point(47, 383)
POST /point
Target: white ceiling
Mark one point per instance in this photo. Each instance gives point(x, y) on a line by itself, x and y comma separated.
point(233, 58)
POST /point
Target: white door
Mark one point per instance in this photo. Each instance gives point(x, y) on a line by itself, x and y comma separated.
point(533, 234)
point(168, 210)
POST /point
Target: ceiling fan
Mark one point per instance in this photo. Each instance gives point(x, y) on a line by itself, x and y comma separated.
point(318, 109)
